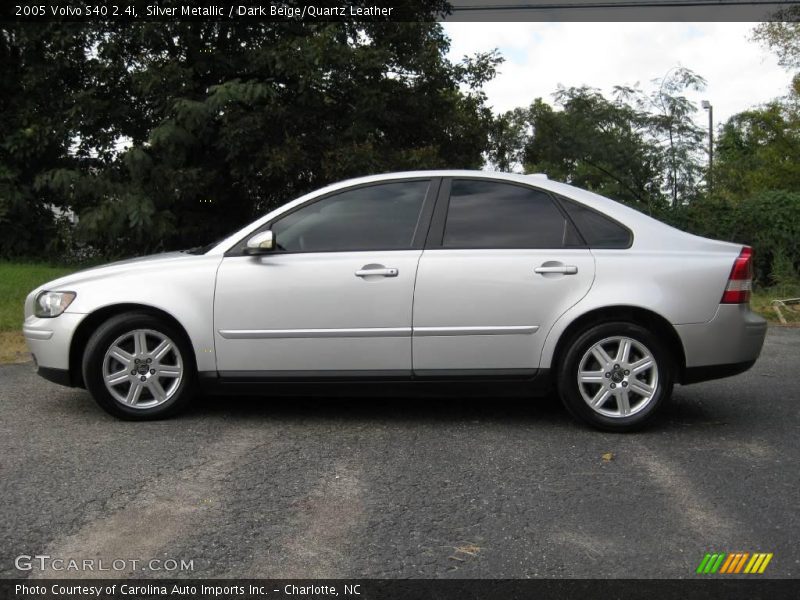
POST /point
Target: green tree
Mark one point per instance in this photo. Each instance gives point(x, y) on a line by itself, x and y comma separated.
point(508, 135)
point(243, 119)
point(43, 70)
point(758, 149)
point(639, 148)
point(176, 133)
point(595, 143)
point(782, 37)
point(671, 126)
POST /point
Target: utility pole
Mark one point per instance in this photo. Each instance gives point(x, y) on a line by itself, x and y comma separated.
point(707, 106)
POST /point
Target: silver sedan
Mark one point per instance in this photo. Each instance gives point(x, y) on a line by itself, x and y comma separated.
point(445, 281)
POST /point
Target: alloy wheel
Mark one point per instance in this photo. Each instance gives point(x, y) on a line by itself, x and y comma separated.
point(142, 368)
point(618, 377)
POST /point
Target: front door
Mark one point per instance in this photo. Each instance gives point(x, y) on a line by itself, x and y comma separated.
point(335, 297)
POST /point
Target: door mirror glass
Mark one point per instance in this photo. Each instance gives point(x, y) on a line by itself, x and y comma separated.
point(260, 243)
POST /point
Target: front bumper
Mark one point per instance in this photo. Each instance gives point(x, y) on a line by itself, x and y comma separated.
point(59, 376)
point(726, 345)
point(49, 341)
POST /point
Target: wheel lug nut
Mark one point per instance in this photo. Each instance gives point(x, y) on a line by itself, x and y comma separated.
point(608, 375)
point(627, 372)
point(144, 378)
point(616, 366)
point(136, 361)
point(624, 384)
point(152, 371)
point(133, 372)
point(149, 360)
point(613, 385)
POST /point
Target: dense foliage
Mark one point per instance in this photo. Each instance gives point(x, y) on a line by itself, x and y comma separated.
point(170, 135)
point(42, 68)
point(757, 150)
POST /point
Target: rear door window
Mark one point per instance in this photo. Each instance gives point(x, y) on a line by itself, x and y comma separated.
point(491, 214)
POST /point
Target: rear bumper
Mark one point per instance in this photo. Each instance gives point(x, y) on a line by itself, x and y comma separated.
point(727, 345)
point(697, 374)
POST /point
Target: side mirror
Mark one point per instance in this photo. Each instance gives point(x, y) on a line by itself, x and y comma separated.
point(260, 243)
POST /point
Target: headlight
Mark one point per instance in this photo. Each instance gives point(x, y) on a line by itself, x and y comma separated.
point(52, 304)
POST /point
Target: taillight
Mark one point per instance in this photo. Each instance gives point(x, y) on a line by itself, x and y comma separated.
point(740, 281)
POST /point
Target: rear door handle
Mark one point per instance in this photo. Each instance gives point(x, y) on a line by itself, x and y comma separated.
point(563, 269)
point(374, 271)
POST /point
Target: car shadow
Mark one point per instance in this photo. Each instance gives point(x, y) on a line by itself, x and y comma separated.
point(680, 413)
point(420, 409)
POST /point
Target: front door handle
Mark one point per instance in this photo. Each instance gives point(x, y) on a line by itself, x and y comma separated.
point(371, 271)
point(563, 269)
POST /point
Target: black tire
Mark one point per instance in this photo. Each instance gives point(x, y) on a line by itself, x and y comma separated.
point(103, 338)
point(570, 391)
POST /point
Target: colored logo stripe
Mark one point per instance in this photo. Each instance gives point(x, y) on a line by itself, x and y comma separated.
point(710, 563)
point(758, 563)
point(733, 563)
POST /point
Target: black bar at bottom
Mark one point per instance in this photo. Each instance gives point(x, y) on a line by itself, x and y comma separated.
point(750, 587)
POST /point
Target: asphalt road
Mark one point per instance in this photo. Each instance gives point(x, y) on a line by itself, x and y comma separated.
point(416, 488)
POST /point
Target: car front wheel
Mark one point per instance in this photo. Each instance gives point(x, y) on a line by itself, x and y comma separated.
point(139, 367)
point(615, 376)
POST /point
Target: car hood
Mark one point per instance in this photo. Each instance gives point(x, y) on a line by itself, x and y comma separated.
point(123, 266)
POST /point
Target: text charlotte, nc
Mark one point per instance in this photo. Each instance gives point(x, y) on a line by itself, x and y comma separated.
point(269, 10)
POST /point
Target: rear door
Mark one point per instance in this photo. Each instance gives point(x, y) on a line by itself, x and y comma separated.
point(502, 263)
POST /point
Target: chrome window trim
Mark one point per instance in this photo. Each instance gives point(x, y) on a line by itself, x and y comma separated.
point(479, 330)
point(359, 332)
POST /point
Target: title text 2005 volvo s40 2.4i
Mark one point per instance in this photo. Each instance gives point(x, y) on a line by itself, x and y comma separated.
point(436, 277)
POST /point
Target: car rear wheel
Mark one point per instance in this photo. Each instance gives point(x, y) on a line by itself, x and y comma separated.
point(615, 376)
point(139, 367)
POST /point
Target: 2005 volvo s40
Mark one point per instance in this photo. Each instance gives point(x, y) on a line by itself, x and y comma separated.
point(437, 277)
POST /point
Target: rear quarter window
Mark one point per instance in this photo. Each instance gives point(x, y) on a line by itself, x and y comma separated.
point(598, 230)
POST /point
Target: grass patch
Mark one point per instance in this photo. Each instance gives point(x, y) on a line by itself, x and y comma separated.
point(16, 282)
